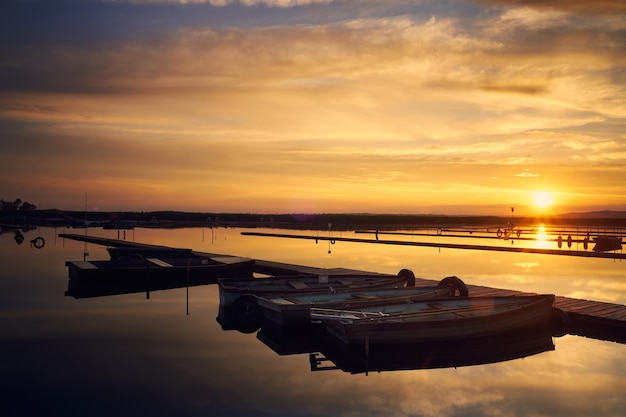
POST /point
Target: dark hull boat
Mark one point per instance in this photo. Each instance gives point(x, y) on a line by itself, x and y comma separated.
point(607, 243)
point(234, 291)
point(436, 320)
point(292, 309)
point(139, 274)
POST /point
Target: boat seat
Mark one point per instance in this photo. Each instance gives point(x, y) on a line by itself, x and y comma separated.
point(84, 265)
point(298, 285)
point(159, 262)
point(365, 296)
point(352, 284)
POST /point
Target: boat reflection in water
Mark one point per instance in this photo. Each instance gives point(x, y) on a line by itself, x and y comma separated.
point(245, 317)
point(328, 354)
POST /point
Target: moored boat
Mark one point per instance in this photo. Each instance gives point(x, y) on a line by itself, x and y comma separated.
point(233, 290)
point(436, 320)
point(289, 310)
point(607, 243)
point(136, 267)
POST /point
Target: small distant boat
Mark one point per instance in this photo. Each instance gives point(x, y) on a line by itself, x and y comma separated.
point(436, 320)
point(136, 267)
point(288, 310)
point(231, 291)
point(607, 243)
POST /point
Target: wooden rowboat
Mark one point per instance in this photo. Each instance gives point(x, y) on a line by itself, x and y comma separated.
point(233, 290)
point(138, 267)
point(436, 320)
point(288, 310)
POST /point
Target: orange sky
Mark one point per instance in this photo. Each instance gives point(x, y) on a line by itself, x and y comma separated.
point(314, 106)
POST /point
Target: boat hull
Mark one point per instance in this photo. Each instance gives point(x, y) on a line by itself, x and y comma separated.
point(458, 319)
point(99, 278)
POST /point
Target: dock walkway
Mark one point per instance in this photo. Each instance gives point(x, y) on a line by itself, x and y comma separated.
point(594, 319)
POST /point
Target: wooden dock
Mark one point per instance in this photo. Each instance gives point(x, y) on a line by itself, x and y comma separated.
point(593, 319)
point(440, 245)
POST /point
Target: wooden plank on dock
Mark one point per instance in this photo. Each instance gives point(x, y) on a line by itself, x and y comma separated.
point(593, 319)
point(116, 243)
point(228, 259)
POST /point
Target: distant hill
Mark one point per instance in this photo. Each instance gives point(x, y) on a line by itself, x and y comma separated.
point(604, 214)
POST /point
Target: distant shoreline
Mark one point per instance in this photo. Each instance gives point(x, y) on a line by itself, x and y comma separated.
point(337, 221)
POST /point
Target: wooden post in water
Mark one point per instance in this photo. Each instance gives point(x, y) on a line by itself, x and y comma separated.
point(188, 266)
point(148, 281)
point(367, 355)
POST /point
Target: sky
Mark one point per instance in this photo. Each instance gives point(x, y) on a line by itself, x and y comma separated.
point(314, 106)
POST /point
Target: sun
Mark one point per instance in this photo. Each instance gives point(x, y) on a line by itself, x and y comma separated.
point(542, 199)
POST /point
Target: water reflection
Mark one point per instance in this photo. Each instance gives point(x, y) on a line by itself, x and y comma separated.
point(126, 355)
point(245, 317)
point(365, 358)
point(18, 232)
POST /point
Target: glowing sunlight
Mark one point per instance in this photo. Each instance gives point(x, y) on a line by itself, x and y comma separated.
point(543, 199)
point(541, 237)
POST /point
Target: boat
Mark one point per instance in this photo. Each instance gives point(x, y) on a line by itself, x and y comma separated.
point(239, 308)
point(436, 320)
point(192, 268)
point(234, 290)
point(287, 310)
point(607, 243)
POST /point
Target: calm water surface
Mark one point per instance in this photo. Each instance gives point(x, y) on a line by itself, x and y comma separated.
point(126, 354)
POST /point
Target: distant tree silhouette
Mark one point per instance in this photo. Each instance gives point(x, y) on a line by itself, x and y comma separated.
point(17, 204)
point(26, 206)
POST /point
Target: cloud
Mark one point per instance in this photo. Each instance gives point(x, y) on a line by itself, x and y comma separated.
point(270, 3)
point(403, 101)
point(526, 174)
point(600, 7)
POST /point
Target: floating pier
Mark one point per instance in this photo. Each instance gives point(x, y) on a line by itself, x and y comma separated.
point(594, 319)
point(558, 252)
